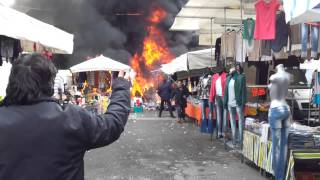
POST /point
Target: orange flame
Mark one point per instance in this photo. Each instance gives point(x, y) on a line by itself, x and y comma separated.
point(157, 16)
point(155, 52)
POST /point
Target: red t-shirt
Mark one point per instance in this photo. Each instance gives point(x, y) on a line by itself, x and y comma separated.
point(266, 13)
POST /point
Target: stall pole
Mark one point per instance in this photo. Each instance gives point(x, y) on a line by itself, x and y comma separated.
point(241, 24)
point(225, 37)
point(309, 107)
point(211, 37)
point(292, 103)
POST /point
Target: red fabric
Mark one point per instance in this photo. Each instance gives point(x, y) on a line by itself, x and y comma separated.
point(34, 47)
point(266, 13)
point(138, 103)
point(213, 85)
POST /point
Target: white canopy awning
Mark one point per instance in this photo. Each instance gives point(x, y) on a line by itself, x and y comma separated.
point(100, 63)
point(18, 25)
point(301, 11)
point(190, 61)
point(176, 65)
point(201, 59)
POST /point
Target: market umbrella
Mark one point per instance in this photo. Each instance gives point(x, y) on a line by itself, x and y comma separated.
point(100, 63)
point(20, 26)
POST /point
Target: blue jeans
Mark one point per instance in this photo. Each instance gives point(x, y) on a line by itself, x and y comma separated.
point(204, 104)
point(233, 112)
point(279, 124)
point(314, 31)
point(221, 116)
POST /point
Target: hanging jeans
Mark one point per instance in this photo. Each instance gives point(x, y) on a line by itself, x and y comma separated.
point(221, 116)
point(279, 124)
point(314, 33)
point(233, 112)
point(207, 126)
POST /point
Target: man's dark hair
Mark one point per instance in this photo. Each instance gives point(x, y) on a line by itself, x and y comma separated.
point(31, 78)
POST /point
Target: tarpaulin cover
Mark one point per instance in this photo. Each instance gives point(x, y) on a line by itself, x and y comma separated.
point(20, 26)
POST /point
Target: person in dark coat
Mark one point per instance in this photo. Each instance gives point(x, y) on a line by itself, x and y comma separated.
point(180, 95)
point(42, 140)
point(165, 93)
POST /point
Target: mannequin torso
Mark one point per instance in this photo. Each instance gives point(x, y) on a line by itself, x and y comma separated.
point(279, 84)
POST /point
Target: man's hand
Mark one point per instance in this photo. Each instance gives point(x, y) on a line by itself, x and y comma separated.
point(121, 74)
point(127, 75)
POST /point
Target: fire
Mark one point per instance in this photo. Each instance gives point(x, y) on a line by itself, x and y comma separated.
point(155, 48)
point(157, 16)
point(155, 52)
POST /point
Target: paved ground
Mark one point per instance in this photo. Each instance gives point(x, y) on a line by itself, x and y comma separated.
point(160, 149)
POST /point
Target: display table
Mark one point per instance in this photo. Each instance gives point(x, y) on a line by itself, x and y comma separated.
point(193, 111)
point(309, 159)
point(257, 151)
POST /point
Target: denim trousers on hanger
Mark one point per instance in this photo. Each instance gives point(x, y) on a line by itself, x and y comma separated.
point(279, 124)
point(233, 112)
point(209, 126)
point(314, 32)
point(221, 116)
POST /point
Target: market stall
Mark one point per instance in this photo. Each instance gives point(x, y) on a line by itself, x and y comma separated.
point(18, 25)
point(240, 32)
point(192, 64)
point(21, 33)
point(93, 79)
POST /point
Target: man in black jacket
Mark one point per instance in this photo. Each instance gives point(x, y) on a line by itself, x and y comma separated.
point(180, 95)
point(165, 93)
point(40, 139)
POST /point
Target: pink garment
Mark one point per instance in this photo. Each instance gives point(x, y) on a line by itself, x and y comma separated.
point(213, 85)
point(266, 13)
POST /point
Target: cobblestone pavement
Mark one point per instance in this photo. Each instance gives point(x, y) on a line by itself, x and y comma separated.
point(153, 148)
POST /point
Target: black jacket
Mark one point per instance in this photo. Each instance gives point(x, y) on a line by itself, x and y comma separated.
point(45, 141)
point(165, 91)
point(180, 96)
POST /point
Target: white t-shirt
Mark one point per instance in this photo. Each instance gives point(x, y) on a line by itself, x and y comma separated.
point(218, 87)
point(232, 97)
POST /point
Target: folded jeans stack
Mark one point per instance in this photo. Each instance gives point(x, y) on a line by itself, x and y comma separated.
point(299, 139)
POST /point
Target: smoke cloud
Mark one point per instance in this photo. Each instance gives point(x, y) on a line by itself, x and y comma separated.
point(114, 28)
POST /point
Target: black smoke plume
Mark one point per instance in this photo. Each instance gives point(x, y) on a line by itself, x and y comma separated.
point(114, 28)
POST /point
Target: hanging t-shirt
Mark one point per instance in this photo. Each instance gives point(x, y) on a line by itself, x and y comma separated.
point(265, 28)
